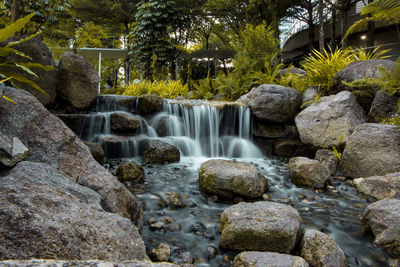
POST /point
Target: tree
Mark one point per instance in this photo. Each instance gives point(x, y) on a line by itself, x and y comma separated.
point(151, 41)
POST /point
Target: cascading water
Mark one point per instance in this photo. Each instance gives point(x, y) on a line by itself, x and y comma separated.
point(206, 130)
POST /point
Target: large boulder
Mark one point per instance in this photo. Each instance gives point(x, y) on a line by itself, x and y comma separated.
point(227, 179)
point(52, 142)
point(274, 102)
point(291, 70)
point(89, 263)
point(45, 214)
point(131, 172)
point(321, 250)
point(259, 226)
point(77, 81)
point(380, 187)
point(382, 218)
point(267, 259)
point(324, 123)
point(359, 70)
point(373, 149)
point(308, 172)
point(383, 106)
point(46, 80)
point(123, 122)
point(150, 103)
point(161, 152)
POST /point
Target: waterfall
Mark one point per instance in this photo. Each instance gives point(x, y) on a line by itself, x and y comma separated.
point(198, 128)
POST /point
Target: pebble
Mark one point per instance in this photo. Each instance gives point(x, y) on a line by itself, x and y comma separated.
point(226, 260)
point(211, 252)
point(175, 227)
point(266, 197)
point(167, 220)
point(183, 257)
point(151, 221)
point(157, 226)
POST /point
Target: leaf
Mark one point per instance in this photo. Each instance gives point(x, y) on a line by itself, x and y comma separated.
point(11, 29)
point(8, 99)
point(336, 153)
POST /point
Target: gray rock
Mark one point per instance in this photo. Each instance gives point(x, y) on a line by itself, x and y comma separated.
point(291, 70)
point(308, 172)
point(47, 215)
point(39, 53)
point(12, 150)
point(161, 253)
point(184, 258)
point(259, 226)
point(373, 149)
point(274, 102)
point(308, 97)
point(124, 122)
point(161, 152)
point(228, 179)
point(323, 124)
point(382, 218)
point(52, 142)
point(131, 172)
point(382, 107)
point(77, 81)
point(150, 103)
point(88, 263)
point(358, 70)
point(380, 187)
point(327, 158)
point(321, 250)
point(174, 200)
point(267, 259)
point(269, 130)
point(96, 150)
point(292, 148)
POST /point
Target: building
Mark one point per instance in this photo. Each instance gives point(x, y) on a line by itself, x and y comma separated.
point(297, 44)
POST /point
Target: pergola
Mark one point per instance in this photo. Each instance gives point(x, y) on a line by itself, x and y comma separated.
point(102, 53)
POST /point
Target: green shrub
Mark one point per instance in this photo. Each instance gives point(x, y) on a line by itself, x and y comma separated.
point(165, 89)
point(322, 67)
point(255, 62)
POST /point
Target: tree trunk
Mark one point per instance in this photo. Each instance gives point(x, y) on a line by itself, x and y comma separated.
point(15, 10)
point(321, 25)
point(275, 20)
point(311, 34)
point(333, 32)
point(343, 26)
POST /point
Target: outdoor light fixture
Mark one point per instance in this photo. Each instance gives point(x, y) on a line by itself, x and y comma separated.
point(363, 37)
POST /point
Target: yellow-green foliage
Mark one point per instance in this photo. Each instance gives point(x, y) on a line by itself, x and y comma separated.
point(206, 88)
point(10, 68)
point(322, 67)
point(255, 62)
point(165, 89)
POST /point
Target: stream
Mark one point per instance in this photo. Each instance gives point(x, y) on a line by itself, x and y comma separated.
point(204, 131)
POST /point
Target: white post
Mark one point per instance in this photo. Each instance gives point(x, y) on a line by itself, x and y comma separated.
point(99, 69)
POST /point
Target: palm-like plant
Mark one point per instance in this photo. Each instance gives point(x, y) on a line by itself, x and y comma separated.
point(10, 67)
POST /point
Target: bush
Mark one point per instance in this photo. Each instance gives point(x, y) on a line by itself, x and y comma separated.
point(165, 89)
point(255, 62)
point(322, 67)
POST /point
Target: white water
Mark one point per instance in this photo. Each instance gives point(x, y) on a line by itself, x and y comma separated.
point(198, 129)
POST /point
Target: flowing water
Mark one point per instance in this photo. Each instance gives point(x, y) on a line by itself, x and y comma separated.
point(204, 131)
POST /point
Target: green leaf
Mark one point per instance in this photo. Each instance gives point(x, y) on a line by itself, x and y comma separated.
point(10, 30)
